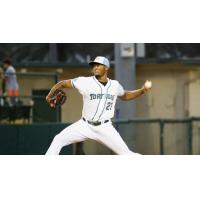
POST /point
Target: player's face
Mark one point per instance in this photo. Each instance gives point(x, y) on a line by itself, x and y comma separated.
point(99, 69)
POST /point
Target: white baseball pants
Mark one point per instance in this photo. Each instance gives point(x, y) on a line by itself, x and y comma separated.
point(81, 130)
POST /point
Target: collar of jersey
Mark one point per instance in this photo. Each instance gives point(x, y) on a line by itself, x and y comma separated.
point(102, 86)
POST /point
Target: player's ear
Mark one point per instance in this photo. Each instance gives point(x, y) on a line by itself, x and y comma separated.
point(106, 68)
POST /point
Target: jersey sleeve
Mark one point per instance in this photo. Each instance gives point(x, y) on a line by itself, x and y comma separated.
point(80, 84)
point(120, 90)
point(9, 71)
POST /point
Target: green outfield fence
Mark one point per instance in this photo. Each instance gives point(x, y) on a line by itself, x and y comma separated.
point(34, 139)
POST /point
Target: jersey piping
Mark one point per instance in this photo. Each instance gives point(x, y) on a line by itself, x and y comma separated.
point(105, 101)
point(99, 99)
point(73, 84)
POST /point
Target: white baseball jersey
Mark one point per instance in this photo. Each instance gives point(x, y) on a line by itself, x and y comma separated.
point(98, 100)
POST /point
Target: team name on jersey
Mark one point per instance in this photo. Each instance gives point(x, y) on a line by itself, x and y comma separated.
point(102, 96)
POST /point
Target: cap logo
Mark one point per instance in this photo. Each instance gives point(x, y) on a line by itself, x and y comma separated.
point(98, 58)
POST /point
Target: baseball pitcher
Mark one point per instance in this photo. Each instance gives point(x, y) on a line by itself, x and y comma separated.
point(99, 97)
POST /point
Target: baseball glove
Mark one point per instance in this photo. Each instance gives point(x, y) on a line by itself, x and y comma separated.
point(59, 97)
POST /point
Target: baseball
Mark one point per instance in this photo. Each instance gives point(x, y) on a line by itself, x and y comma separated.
point(148, 84)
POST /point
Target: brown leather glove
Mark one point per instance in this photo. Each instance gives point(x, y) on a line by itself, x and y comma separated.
point(59, 97)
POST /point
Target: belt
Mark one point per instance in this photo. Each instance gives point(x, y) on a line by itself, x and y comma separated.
point(97, 123)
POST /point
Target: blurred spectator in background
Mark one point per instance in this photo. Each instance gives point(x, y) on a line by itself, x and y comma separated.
point(11, 84)
point(1, 81)
point(1, 86)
